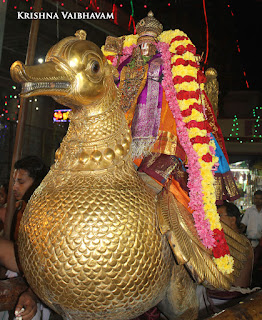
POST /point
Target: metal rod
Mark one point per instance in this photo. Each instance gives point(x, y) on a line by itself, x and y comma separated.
point(30, 55)
point(3, 8)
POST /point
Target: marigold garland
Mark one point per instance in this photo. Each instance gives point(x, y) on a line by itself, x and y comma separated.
point(188, 82)
point(183, 83)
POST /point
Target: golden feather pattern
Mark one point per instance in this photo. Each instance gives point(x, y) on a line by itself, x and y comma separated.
point(238, 246)
point(212, 88)
point(178, 225)
point(237, 241)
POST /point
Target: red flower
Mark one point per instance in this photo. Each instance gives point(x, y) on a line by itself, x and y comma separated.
point(181, 61)
point(180, 50)
point(196, 106)
point(180, 79)
point(221, 248)
point(194, 124)
point(201, 140)
point(207, 157)
point(191, 48)
point(179, 38)
point(201, 78)
point(110, 58)
point(203, 125)
point(188, 94)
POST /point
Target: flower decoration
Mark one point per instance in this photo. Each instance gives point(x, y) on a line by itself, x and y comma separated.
point(183, 83)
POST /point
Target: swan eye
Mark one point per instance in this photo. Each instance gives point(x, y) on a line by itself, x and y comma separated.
point(95, 67)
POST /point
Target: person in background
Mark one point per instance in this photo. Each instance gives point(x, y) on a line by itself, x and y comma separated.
point(3, 194)
point(252, 220)
point(28, 174)
point(3, 202)
point(213, 300)
point(252, 225)
point(230, 214)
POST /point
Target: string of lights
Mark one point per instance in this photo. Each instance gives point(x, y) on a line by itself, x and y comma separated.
point(256, 126)
point(10, 106)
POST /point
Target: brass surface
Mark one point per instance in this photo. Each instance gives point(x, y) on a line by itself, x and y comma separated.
point(89, 242)
point(114, 44)
point(212, 88)
point(148, 29)
point(94, 240)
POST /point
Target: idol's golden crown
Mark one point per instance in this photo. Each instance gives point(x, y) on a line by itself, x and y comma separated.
point(149, 26)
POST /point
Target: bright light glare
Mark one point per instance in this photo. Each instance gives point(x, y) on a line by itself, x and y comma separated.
point(73, 62)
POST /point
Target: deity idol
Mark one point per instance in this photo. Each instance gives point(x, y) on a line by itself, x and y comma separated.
point(176, 137)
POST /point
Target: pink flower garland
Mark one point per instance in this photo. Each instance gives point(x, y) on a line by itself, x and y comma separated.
point(194, 181)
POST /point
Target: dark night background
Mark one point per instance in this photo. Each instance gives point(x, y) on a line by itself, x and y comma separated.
point(226, 31)
point(234, 51)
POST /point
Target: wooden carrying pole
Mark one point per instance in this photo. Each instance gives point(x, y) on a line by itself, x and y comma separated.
point(30, 55)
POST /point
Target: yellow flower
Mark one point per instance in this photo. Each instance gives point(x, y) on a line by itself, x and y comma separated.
point(213, 219)
point(208, 194)
point(184, 43)
point(215, 159)
point(182, 71)
point(107, 53)
point(168, 35)
point(212, 144)
point(208, 181)
point(130, 40)
point(195, 115)
point(189, 86)
point(208, 175)
point(194, 132)
point(201, 149)
point(207, 184)
point(206, 165)
point(189, 56)
point(184, 104)
point(202, 87)
point(225, 264)
point(208, 206)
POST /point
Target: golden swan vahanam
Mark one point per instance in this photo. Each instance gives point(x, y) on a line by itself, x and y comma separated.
point(94, 241)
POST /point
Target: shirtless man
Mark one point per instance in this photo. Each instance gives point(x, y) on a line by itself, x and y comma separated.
point(28, 174)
